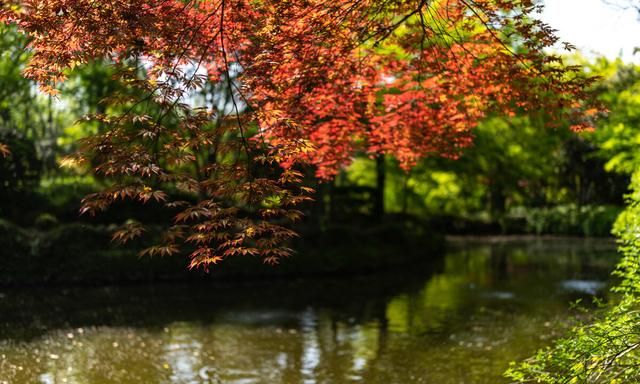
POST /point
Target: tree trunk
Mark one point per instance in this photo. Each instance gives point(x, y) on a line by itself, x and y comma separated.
point(378, 199)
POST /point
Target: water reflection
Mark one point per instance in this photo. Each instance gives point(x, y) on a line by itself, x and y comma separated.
point(457, 322)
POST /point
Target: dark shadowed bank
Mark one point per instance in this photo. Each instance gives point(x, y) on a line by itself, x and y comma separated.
point(83, 253)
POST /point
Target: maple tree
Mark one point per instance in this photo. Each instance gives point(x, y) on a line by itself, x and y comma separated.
point(303, 82)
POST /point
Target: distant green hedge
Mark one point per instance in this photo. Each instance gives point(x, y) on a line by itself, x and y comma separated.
point(565, 220)
point(588, 220)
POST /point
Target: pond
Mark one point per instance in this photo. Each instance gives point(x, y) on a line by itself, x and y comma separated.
point(458, 320)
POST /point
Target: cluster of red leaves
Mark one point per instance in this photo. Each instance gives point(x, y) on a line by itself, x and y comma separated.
point(229, 209)
point(4, 150)
point(405, 78)
point(317, 81)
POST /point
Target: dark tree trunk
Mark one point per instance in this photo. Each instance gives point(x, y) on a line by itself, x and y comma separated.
point(378, 198)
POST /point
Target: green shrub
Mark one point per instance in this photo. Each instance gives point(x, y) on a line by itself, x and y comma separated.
point(46, 221)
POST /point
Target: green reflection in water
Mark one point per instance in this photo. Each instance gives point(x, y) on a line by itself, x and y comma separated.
point(461, 321)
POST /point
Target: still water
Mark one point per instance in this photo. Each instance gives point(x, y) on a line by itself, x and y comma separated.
point(460, 320)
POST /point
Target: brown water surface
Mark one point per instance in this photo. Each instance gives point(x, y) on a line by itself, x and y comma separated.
point(458, 321)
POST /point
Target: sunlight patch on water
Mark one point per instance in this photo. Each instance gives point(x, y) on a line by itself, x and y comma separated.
point(311, 349)
point(589, 287)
